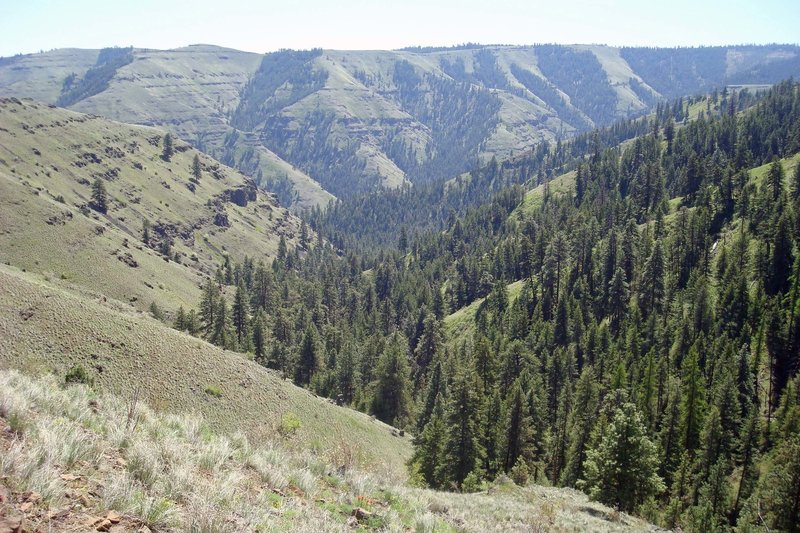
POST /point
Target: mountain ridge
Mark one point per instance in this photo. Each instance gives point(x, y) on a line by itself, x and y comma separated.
point(345, 122)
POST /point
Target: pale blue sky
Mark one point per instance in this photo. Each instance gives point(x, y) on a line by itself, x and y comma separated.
point(33, 25)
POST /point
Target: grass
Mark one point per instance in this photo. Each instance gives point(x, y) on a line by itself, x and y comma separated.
point(44, 229)
point(758, 174)
point(170, 473)
point(534, 198)
point(48, 329)
point(460, 324)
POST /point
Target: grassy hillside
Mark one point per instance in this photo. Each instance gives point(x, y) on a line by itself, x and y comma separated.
point(74, 459)
point(49, 159)
point(348, 121)
point(48, 329)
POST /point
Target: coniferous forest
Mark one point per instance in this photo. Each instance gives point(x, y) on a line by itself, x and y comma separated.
point(633, 333)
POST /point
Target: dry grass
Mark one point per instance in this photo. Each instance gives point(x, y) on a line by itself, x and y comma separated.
point(46, 329)
point(171, 473)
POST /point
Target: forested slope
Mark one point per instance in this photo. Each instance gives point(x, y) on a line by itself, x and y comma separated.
point(653, 317)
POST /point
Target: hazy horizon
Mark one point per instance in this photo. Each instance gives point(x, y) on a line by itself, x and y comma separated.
point(35, 26)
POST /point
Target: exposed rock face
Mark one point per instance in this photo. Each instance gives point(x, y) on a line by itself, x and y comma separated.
point(242, 195)
point(221, 219)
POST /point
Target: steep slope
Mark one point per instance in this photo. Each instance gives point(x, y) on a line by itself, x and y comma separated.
point(168, 472)
point(49, 161)
point(351, 121)
point(49, 329)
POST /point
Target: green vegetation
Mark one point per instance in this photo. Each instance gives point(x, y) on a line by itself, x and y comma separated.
point(214, 391)
point(78, 374)
point(629, 335)
point(615, 313)
point(100, 207)
point(89, 456)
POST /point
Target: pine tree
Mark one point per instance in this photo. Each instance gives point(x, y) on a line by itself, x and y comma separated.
point(208, 308)
point(308, 360)
point(517, 427)
point(241, 317)
point(428, 458)
point(617, 298)
point(166, 153)
point(581, 422)
point(774, 180)
point(179, 322)
point(779, 489)
point(622, 469)
point(651, 293)
point(428, 346)
point(259, 341)
point(221, 334)
point(197, 170)
point(435, 390)
point(463, 452)
point(391, 401)
point(346, 375)
point(99, 199)
point(693, 404)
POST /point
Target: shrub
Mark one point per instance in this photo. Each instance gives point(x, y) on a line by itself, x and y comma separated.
point(289, 424)
point(213, 390)
point(78, 374)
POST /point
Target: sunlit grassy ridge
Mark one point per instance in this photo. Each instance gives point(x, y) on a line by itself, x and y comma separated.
point(49, 159)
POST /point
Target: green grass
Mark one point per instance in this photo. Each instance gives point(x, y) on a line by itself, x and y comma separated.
point(460, 324)
point(45, 178)
point(563, 184)
point(758, 174)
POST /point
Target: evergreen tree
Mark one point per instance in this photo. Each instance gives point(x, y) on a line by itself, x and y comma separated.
point(259, 341)
point(428, 458)
point(221, 333)
point(652, 285)
point(391, 400)
point(308, 360)
point(779, 489)
point(463, 452)
point(168, 150)
point(179, 322)
point(774, 181)
point(208, 308)
point(99, 199)
point(622, 470)
point(693, 404)
point(241, 317)
point(197, 170)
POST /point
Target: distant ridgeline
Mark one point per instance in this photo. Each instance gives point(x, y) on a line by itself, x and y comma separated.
point(309, 123)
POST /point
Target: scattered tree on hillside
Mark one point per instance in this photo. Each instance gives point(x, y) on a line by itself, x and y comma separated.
point(99, 199)
point(168, 150)
point(197, 170)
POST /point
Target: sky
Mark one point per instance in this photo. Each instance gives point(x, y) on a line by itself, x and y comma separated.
point(28, 26)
